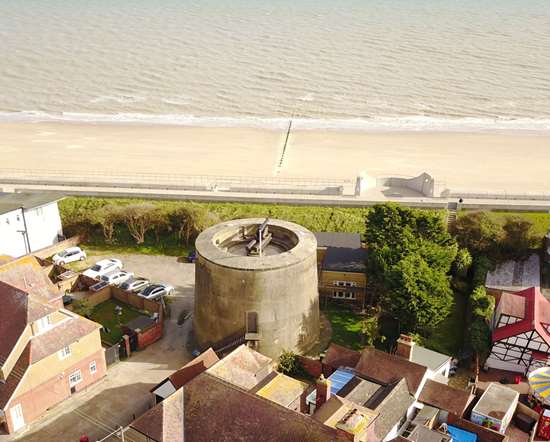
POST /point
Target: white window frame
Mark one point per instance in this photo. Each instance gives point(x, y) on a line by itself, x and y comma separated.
point(93, 367)
point(75, 374)
point(345, 283)
point(44, 324)
point(65, 352)
point(339, 294)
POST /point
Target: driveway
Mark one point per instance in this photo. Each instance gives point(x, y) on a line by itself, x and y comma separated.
point(124, 393)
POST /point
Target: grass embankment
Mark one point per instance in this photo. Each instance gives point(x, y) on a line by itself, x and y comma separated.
point(540, 220)
point(104, 314)
point(77, 214)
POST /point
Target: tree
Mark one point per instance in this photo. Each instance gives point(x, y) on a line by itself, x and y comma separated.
point(190, 220)
point(463, 262)
point(482, 304)
point(370, 328)
point(480, 337)
point(140, 218)
point(518, 239)
point(108, 216)
point(410, 255)
point(419, 295)
point(478, 233)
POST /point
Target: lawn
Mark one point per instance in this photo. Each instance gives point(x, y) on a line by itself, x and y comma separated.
point(104, 314)
point(448, 337)
point(540, 220)
point(346, 326)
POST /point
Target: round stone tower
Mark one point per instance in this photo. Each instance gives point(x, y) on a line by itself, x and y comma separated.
point(256, 282)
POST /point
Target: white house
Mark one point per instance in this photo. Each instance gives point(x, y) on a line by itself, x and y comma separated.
point(28, 222)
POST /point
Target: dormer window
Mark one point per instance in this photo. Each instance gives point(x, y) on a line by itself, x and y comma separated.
point(44, 324)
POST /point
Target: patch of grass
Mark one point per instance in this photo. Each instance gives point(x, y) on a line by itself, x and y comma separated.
point(448, 337)
point(540, 220)
point(104, 314)
point(346, 326)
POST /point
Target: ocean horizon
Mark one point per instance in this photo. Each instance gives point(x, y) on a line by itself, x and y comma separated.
point(377, 65)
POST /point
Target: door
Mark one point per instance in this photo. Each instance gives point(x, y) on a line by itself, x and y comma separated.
point(17, 419)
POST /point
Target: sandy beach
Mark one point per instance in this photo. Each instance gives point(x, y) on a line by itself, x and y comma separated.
point(465, 161)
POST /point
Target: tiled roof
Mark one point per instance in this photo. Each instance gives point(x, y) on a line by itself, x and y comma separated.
point(13, 318)
point(338, 239)
point(27, 275)
point(512, 305)
point(391, 408)
point(515, 275)
point(214, 410)
point(342, 259)
point(202, 362)
point(445, 398)
point(338, 356)
point(537, 313)
point(16, 374)
point(243, 367)
point(387, 368)
point(60, 336)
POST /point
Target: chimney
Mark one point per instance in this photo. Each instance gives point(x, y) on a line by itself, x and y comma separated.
point(323, 391)
point(405, 347)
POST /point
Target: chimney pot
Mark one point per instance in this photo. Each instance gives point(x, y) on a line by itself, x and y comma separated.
point(405, 347)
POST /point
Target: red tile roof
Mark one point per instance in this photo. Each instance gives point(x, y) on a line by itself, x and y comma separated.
point(16, 374)
point(387, 368)
point(512, 305)
point(208, 408)
point(194, 368)
point(445, 398)
point(62, 335)
point(537, 314)
point(338, 356)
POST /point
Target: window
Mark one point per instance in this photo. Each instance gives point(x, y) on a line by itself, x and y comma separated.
point(345, 284)
point(65, 352)
point(343, 295)
point(75, 378)
point(44, 324)
point(93, 367)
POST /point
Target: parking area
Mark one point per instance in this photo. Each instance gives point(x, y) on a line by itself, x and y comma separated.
point(124, 392)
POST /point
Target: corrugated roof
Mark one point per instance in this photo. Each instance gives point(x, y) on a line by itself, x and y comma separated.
point(342, 259)
point(13, 201)
point(338, 239)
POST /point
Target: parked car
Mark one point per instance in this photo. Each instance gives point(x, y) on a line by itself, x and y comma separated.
point(103, 267)
point(69, 255)
point(117, 277)
point(134, 284)
point(155, 291)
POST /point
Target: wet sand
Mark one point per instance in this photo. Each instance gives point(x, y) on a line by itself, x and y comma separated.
point(470, 161)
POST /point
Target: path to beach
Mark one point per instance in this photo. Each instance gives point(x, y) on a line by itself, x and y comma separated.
point(480, 162)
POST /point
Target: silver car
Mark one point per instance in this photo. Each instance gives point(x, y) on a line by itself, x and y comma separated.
point(134, 284)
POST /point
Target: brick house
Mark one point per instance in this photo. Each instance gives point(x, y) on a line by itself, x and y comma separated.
point(47, 353)
point(341, 263)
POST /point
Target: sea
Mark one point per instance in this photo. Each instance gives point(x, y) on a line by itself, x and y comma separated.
point(359, 64)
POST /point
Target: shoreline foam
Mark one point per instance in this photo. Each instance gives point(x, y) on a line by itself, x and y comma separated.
point(375, 124)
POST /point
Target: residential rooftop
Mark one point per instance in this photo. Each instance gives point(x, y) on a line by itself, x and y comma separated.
point(515, 275)
point(342, 259)
point(338, 239)
point(496, 401)
point(13, 201)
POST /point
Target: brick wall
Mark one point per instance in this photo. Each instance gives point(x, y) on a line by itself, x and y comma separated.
point(150, 335)
point(36, 401)
point(311, 366)
point(57, 247)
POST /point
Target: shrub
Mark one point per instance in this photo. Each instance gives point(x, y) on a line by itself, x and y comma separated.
point(288, 362)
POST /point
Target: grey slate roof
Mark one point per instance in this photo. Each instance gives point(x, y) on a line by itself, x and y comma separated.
point(429, 358)
point(13, 201)
point(338, 239)
point(343, 259)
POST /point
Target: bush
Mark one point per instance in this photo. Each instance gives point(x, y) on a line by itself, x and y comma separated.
point(288, 362)
point(480, 337)
point(482, 304)
point(482, 266)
